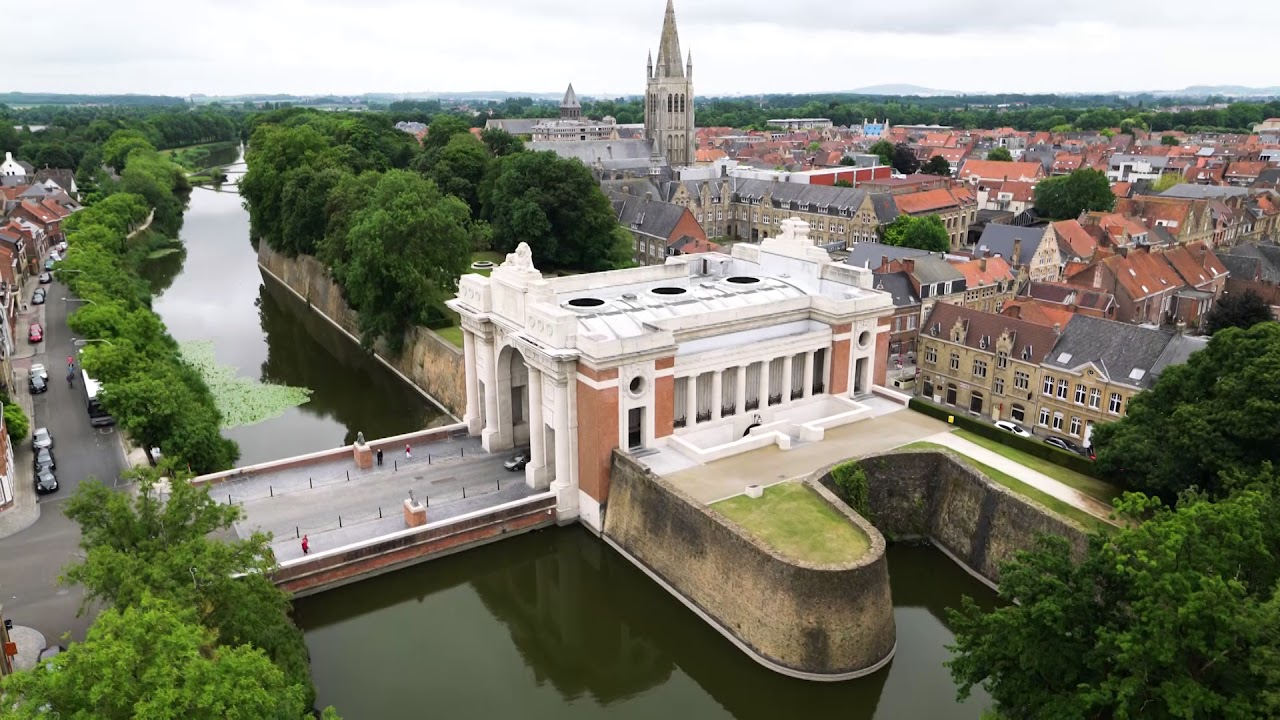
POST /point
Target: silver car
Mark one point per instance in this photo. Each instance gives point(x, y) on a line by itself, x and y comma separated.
point(41, 439)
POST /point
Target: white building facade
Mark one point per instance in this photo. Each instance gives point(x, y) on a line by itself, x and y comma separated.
point(703, 357)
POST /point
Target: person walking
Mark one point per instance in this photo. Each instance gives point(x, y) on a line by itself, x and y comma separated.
point(408, 452)
point(306, 545)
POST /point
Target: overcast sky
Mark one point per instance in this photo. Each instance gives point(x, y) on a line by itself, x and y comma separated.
point(222, 47)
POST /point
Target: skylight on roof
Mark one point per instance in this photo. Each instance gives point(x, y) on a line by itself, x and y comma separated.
point(1131, 272)
point(1137, 374)
point(1144, 289)
point(1064, 358)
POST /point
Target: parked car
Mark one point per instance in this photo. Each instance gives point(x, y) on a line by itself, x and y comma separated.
point(41, 439)
point(1012, 427)
point(45, 481)
point(37, 385)
point(36, 334)
point(38, 369)
point(1062, 444)
point(48, 264)
point(49, 652)
point(37, 297)
point(44, 458)
point(62, 246)
point(517, 461)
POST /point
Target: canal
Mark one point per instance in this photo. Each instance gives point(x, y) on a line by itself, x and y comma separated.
point(551, 624)
point(213, 291)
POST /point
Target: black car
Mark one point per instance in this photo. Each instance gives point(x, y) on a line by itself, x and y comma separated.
point(37, 297)
point(45, 278)
point(44, 458)
point(517, 461)
point(1062, 444)
point(46, 482)
point(37, 384)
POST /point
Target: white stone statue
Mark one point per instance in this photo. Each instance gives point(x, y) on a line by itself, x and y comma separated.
point(521, 259)
point(795, 230)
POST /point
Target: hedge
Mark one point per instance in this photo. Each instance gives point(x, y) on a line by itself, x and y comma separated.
point(1031, 445)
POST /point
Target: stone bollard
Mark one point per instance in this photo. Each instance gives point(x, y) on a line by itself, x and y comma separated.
point(415, 513)
point(363, 456)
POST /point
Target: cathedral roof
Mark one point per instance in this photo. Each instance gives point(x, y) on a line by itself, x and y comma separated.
point(669, 47)
point(570, 99)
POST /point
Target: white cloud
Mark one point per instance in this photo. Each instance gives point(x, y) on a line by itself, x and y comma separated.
point(739, 47)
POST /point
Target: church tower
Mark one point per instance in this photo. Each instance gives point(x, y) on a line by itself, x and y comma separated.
point(668, 104)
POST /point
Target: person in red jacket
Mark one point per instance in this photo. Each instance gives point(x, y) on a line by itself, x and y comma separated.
point(306, 545)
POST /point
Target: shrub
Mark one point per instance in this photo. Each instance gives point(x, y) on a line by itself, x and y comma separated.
point(851, 483)
point(1031, 446)
point(16, 421)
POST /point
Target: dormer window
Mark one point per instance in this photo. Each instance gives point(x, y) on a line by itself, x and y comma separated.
point(1026, 352)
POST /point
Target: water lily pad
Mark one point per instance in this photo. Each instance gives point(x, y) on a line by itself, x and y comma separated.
point(241, 400)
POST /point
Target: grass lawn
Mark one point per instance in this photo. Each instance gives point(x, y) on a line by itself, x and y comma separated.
point(1093, 487)
point(1088, 521)
point(797, 523)
point(453, 334)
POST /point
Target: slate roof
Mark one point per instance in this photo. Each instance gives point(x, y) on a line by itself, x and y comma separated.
point(1065, 294)
point(899, 286)
point(631, 186)
point(516, 126)
point(1123, 353)
point(1203, 192)
point(869, 254)
point(999, 240)
point(570, 99)
point(1247, 268)
point(1265, 257)
point(651, 217)
point(1176, 352)
point(63, 177)
point(932, 269)
point(885, 207)
point(1030, 341)
point(806, 197)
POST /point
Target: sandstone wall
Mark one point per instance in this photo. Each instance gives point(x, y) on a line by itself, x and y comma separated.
point(935, 495)
point(430, 362)
point(808, 621)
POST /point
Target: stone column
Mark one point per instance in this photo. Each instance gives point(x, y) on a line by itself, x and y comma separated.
point(490, 435)
point(691, 401)
point(717, 389)
point(807, 385)
point(786, 379)
point(740, 399)
point(564, 437)
point(536, 471)
point(472, 418)
point(763, 395)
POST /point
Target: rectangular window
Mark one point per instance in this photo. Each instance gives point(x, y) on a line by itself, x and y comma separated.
point(1057, 421)
point(729, 391)
point(1063, 387)
point(1095, 398)
point(775, 381)
point(753, 386)
point(1075, 426)
point(1044, 417)
point(979, 368)
point(681, 400)
point(1002, 360)
point(1021, 380)
point(1079, 394)
point(820, 371)
point(1114, 407)
point(797, 376)
point(955, 362)
point(704, 397)
point(911, 322)
point(999, 386)
point(931, 355)
point(1048, 385)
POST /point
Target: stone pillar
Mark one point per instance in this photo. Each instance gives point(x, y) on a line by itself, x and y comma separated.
point(415, 513)
point(717, 389)
point(535, 473)
point(489, 437)
point(740, 399)
point(472, 418)
point(563, 485)
point(764, 386)
point(691, 401)
point(808, 374)
point(786, 379)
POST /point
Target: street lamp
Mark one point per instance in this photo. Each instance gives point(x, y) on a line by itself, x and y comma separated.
point(86, 341)
point(83, 300)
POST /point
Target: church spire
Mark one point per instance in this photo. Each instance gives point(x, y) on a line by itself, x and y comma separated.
point(688, 73)
point(669, 48)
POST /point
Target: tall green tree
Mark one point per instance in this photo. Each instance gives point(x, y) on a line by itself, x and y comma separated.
point(922, 233)
point(1217, 412)
point(303, 202)
point(1172, 617)
point(1242, 310)
point(1065, 197)
point(273, 151)
point(904, 159)
point(402, 254)
point(443, 129)
point(1000, 154)
point(154, 660)
point(116, 150)
point(553, 204)
point(500, 142)
point(937, 165)
point(884, 150)
point(458, 168)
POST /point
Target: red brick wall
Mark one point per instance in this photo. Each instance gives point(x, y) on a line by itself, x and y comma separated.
point(840, 360)
point(688, 225)
point(664, 398)
point(882, 352)
point(597, 438)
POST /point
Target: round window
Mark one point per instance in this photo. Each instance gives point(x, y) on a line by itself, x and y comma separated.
point(864, 338)
point(636, 385)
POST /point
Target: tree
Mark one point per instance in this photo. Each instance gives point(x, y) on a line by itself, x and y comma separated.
point(116, 150)
point(1169, 140)
point(403, 254)
point(885, 150)
point(1214, 413)
point(500, 142)
point(441, 131)
point(1166, 181)
point(904, 159)
point(847, 161)
point(303, 200)
point(154, 660)
point(553, 204)
point(1065, 197)
point(1171, 617)
point(1000, 154)
point(1242, 310)
point(458, 168)
point(937, 165)
point(922, 233)
point(16, 422)
point(843, 183)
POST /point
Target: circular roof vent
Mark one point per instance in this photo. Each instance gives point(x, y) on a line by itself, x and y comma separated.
point(743, 280)
point(667, 290)
point(586, 302)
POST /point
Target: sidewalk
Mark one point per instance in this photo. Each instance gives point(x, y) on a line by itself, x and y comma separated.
point(25, 510)
point(1035, 479)
point(30, 642)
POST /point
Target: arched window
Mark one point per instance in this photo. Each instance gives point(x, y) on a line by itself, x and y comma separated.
point(670, 102)
point(681, 102)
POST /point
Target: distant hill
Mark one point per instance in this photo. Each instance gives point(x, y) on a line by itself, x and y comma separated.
point(1196, 91)
point(901, 89)
point(24, 98)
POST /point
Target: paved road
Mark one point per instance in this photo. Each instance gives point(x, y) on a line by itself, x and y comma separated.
point(31, 561)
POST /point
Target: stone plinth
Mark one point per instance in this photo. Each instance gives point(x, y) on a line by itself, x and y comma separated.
point(363, 456)
point(415, 513)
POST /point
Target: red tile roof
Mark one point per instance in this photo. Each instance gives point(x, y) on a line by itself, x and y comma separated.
point(1071, 234)
point(927, 201)
point(1143, 273)
point(998, 170)
point(1041, 313)
point(984, 271)
point(39, 211)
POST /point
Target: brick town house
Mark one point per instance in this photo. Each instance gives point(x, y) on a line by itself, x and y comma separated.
point(1033, 250)
point(658, 229)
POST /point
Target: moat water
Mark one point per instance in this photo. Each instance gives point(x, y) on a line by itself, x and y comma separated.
point(552, 624)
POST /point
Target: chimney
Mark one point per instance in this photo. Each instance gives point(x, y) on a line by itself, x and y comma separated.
point(986, 252)
point(982, 264)
point(909, 265)
point(884, 261)
point(1017, 251)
